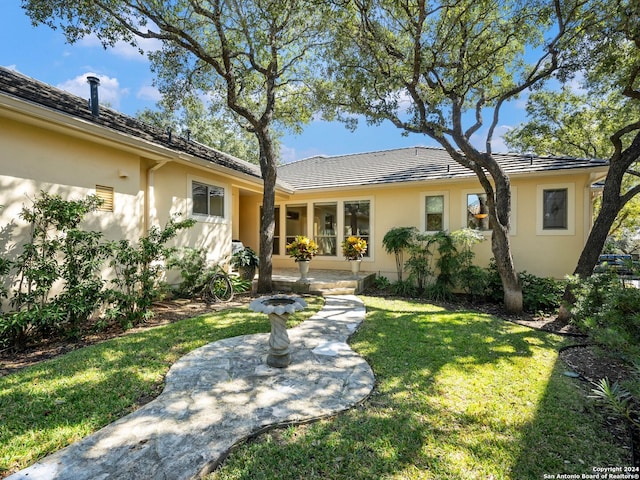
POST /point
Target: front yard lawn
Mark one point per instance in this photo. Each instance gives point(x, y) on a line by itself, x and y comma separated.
point(459, 395)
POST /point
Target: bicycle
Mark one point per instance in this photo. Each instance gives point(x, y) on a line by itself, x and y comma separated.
point(218, 286)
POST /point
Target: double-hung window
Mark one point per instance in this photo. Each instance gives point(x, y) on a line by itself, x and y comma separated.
point(434, 213)
point(357, 221)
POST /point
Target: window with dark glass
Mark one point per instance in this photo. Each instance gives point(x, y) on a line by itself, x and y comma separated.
point(296, 221)
point(357, 221)
point(554, 209)
point(434, 213)
point(477, 211)
point(207, 199)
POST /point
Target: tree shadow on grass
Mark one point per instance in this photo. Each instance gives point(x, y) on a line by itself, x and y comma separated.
point(459, 395)
point(50, 405)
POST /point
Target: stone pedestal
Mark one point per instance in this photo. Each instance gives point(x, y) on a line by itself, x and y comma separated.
point(278, 341)
point(278, 307)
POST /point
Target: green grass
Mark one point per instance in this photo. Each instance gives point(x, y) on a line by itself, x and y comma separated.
point(459, 395)
point(50, 405)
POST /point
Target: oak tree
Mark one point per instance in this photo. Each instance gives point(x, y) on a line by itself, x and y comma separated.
point(257, 55)
point(445, 69)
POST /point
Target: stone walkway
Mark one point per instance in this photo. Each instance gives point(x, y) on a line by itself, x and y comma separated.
point(219, 395)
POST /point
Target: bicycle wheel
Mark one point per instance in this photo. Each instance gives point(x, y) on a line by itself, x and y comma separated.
point(221, 288)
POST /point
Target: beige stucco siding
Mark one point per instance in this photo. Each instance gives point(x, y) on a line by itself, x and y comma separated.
point(172, 191)
point(34, 160)
point(543, 253)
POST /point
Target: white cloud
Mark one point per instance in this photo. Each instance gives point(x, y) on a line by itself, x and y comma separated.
point(13, 67)
point(123, 49)
point(109, 92)
point(149, 92)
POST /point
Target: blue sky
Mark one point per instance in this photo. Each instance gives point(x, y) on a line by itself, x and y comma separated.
point(126, 83)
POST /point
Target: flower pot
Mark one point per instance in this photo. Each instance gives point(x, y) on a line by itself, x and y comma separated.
point(355, 267)
point(247, 272)
point(303, 266)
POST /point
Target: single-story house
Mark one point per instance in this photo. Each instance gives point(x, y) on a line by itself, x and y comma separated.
point(63, 144)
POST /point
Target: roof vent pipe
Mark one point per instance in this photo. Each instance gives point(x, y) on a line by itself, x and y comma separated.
point(93, 100)
point(529, 156)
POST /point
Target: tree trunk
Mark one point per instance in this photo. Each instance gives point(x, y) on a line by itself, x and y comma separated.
point(267, 220)
point(612, 202)
point(501, 248)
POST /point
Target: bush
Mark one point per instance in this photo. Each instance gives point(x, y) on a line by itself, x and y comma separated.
point(539, 294)
point(192, 265)
point(57, 252)
point(609, 312)
point(381, 283)
point(138, 269)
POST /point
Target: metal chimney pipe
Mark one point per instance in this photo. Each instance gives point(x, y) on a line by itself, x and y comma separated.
point(93, 100)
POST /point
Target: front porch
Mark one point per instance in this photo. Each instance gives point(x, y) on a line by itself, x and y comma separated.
point(321, 282)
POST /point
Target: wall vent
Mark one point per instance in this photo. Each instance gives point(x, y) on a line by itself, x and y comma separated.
point(105, 194)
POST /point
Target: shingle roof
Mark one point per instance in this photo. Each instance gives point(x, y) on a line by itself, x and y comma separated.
point(412, 164)
point(30, 90)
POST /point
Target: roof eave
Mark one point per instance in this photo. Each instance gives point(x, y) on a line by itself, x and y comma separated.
point(45, 117)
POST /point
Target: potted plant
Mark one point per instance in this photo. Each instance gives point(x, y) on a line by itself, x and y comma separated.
point(302, 249)
point(245, 261)
point(354, 248)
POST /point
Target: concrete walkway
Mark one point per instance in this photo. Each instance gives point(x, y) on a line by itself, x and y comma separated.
point(219, 395)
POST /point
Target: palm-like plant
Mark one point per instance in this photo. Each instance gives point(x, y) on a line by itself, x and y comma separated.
point(396, 241)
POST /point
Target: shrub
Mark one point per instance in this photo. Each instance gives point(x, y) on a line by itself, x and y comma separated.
point(57, 251)
point(539, 294)
point(396, 241)
point(403, 288)
point(420, 260)
point(138, 270)
point(609, 312)
point(192, 265)
point(381, 283)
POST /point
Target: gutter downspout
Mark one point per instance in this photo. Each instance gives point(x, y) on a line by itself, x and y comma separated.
point(150, 211)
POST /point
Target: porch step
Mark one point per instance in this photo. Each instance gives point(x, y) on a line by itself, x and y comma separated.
point(319, 284)
point(338, 291)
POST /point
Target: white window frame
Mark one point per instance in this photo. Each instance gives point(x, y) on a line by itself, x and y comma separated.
point(571, 209)
point(445, 210)
point(226, 219)
point(340, 224)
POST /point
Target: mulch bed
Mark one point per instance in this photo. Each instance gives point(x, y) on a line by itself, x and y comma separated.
point(165, 312)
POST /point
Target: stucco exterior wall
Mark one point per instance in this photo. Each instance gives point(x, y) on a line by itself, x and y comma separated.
point(172, 192)
point(543, 253)
point(33, 159)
